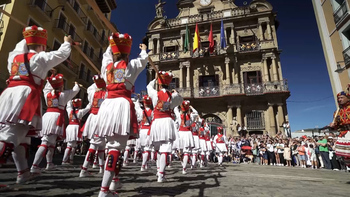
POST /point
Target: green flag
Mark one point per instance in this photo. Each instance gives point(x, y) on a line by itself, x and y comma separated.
point(187, 40)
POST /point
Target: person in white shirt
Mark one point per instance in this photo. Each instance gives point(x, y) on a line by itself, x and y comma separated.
point(20, 102)
point(220, 142)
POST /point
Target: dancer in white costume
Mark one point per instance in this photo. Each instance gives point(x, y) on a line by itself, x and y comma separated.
point(53, 120)
point(209, 144)
point(20, 102)
point(147, 115)
point(196, 148)
point(163, 130)
point(116, 118)
point(73, 133)
point(202, 146)
point(96, 95)
point(220, 142)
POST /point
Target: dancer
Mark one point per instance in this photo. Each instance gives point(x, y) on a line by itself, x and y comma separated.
point(96, 95)
point(73, 133)
point(20, 102)
point(116, 118)
point(220, 142)
point(53, 120)
point(202, 146)
point(163, 130)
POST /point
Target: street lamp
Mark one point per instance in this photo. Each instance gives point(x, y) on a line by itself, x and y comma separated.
point(339, 69)
point(59, 6)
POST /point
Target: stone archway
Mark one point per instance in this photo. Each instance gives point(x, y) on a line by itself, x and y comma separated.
point(213, 121)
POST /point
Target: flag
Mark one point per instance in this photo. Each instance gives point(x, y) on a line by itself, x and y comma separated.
point(196, 39)
point(211, 39)
point(187, 40)
point(222, 36)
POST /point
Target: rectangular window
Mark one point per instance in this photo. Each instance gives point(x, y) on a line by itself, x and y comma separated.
point(208, 80)
point(82, 71)
point(72, 31)
point(170, 49)
point(92, 53)
point(174, 83)
point(86, 47)
point(88, 77)
point(31, 22)
point(56, 45)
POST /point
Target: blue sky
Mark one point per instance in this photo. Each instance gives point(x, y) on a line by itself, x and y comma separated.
point(311, 103)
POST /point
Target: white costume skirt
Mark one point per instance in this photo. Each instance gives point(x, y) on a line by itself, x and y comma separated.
point(202, 145)
point(342, 148)
point(138, 144)
point(220, 148)
point(90, 127)
point(131, 142)
point(114, 117)
point(144, 138)
point(209, 147)
point(196, 141)
point(72, 132)
point(49, 126)
point(163, 129)
point(11, 103)
point(176, 144)
point(186, 140)
point(98, 141)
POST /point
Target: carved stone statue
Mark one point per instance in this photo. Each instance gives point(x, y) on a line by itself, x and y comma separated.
point(159, 9)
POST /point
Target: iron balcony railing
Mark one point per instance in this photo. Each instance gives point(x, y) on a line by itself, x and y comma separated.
point(78, 10)
point(248, 46)
point(235, 89)
point(90, 28)
point(346, 55)
point(62, 24)
point(340, 13)
point(43, 6)
point(255, 120)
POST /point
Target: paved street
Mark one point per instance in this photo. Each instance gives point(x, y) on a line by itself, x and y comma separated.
point(229, 180)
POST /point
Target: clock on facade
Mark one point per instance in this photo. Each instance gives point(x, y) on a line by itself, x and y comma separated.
point(205, 2)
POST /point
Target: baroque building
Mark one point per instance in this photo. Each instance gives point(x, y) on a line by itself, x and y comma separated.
point(240, 83)
point(333, 22)
point(85, 20)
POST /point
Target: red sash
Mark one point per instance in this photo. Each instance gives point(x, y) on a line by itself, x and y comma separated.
point(146, 122)
point(98, 96)
point(162, 109)
point(183, 126)
point(218, 140)
point(21, 76)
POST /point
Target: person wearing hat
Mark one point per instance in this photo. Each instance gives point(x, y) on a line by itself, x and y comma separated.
point(341, 122)
point(202, 146)
point(20, 102)
point(53, 120)
point(96, 95)
point(163, 129)
point(73, 133)
point(220, 142)
point(116, 118)
point(145, 111)
point(186, 118)
point(208, 141)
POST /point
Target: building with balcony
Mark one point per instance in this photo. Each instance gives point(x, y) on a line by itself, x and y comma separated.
point(60, 17)
point(239, 84)
point(333, 22)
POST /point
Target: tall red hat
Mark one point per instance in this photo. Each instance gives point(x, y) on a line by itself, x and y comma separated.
point(100, 83)
point(164, 78)
point(219, 129)
point(35, 35)
point(56, 81)
point(120, 43)
point(185, 105)
point(76, 102)
point(147, 100)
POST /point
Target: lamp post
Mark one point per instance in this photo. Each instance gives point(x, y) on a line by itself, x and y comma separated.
point(339, 69)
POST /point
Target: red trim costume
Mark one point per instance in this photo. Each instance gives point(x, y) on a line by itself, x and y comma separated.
point(116, 118)
point(20, 102)
point(220, 142)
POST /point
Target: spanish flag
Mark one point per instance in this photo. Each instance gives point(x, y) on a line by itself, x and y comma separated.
point(196, 39)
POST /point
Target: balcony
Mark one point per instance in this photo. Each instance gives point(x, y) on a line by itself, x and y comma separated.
point(247, 47)
point(94, 58)
point(70, 66)
point(76, 14)
point(346, 55)
point(62, 25)
point(106, 6)
point(42, 9)
point(169, 56)
point(235, 89)
point(340, 13)
point(92, 32)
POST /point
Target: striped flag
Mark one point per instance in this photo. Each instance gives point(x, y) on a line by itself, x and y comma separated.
point(196, 39)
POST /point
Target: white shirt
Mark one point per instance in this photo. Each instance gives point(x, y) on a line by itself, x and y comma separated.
point(64, 97)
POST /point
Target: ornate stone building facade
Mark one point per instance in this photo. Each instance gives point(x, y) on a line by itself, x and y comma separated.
point(241, 83)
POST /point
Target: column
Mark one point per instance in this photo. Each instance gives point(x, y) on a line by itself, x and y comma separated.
point(229, 121)
point(181, 75)
point(280, 116)
point(232, 35)
point(266, 71)
point(274, 69)
point(261, 33)
point(158, 45)
point(181, 47)
point(239, 115)
point(227, 63)
point(150, 45)
point(188, 79)
point(267, 122)
point(272, 129)
point(280, 77)
point(269, 37)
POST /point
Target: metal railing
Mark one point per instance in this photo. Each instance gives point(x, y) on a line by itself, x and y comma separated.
point(62, 24)
point(340, 13)
point(255, 120)
point(346, 55)
point(235, 89)
point(43, 6)
point(248, 46)
point(90, 28)
point(78, 10)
